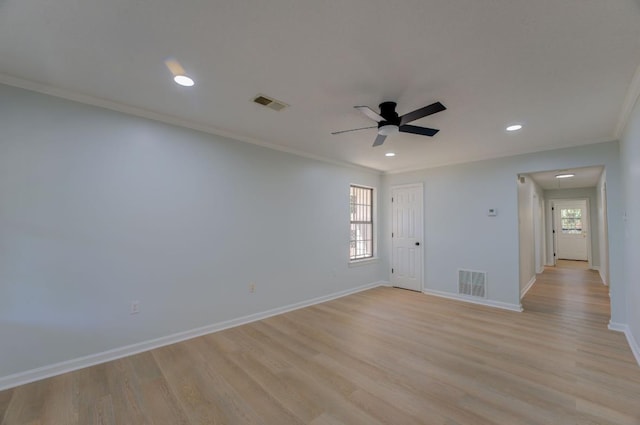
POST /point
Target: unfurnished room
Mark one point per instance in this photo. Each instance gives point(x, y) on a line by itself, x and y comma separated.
point(311, 212)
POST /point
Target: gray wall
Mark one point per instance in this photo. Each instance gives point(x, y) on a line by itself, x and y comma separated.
point(459, 234)
point(603, 237)
point(630, 157)
point(530, 196)
point(98, 208)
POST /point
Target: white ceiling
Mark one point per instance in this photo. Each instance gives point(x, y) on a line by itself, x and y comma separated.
point(561, 68)
point(584, 177)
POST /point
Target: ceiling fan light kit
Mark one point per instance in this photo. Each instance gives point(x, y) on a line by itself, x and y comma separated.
point(389, 122)
point(388, 129)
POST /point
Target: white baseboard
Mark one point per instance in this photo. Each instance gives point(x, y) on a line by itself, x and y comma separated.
point(596, 268)
point(48, 371)
point(474, 300)
point(618, 327)
point(524, 290)
point(604, 282)
point(633, 344)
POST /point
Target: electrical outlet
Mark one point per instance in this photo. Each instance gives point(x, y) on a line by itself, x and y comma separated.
point(252, 288)
point(135, 307)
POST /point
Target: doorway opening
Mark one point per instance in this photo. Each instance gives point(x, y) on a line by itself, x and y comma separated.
point(562, 222)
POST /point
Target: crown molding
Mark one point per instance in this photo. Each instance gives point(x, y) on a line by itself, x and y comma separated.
point(167, 119)
point(506, 154)
point(629, 102)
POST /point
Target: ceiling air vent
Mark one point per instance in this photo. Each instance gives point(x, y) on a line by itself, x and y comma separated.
point(269, 102)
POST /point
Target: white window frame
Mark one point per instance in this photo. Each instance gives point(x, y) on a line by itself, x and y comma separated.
point(374, 224)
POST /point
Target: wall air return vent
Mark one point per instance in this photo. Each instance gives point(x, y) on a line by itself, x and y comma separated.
point(269, 102)
point(472, 283)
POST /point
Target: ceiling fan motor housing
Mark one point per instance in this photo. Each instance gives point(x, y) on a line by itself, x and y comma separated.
point(388, 112)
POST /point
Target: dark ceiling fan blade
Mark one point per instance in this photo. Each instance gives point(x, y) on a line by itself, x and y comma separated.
point(423, 131)
point(354, 129)
point(422, 112)
point(370, 113)
point(379, 140)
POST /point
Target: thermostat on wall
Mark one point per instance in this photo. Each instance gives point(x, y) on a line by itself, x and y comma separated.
point(492, 212)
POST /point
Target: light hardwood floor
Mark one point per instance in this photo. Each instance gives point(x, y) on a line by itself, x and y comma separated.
point(384, 356)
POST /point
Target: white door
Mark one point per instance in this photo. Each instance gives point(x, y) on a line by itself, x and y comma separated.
point(571, 230)
point(406, 237)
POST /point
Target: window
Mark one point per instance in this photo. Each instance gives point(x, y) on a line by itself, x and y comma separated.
point(361, 208)
point(571, 219)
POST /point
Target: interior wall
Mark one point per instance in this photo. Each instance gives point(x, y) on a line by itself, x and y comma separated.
point(460, 234)
point(539, 226)
point(529, 195)
point(603, 246)
point(98, 209)
point(590, 193)
point(630, 159)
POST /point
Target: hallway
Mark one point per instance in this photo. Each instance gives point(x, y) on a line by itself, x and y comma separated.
point(573, 305)
point(570, 292)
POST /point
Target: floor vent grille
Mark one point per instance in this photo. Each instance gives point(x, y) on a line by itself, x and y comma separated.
point(472, 283)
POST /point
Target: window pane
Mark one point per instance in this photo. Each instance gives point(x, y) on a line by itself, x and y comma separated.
point(361, 215)
point(570, 213)
point(361, 244)
point(571, 220)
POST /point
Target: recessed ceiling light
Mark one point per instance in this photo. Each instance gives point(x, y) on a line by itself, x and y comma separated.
point(390, 154)
point(183, 80)
point(514, 127)
point(564, 176)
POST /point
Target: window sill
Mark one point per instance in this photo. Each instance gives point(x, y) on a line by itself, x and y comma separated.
point(364, 262)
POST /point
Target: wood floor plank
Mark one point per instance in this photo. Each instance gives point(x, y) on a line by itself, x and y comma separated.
point(382, 356)
point(5, 399)
point(125, 392)
point(102, 412)
point(61, 407)
point(204, 396)
point(26, 403)
point(161, 405)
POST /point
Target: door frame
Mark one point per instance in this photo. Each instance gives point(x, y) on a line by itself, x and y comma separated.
point(423, 244)
point(603, 237)
point(587, 224)
point(539, 244)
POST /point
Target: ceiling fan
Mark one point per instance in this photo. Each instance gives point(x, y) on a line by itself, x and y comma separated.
point(390, 123)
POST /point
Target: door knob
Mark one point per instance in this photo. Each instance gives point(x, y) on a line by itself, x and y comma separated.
point(417, 243)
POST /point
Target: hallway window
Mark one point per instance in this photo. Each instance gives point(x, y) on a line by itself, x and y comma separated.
point(571, 220)
point(361, 208)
